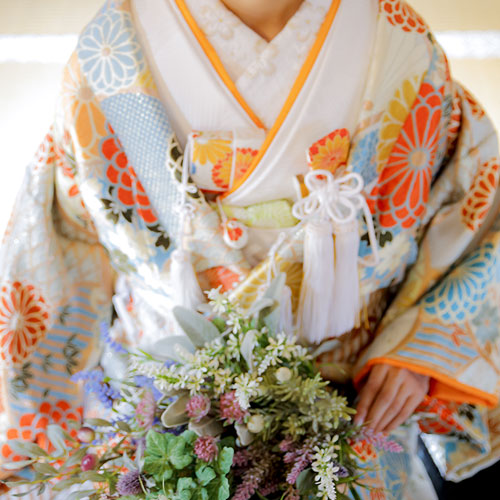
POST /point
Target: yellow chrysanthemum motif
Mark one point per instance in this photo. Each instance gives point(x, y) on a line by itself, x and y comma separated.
point(395, 117)
point(330, 152)
point(208, 149)
point(247, 292)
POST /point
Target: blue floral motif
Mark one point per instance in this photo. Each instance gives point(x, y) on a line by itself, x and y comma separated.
point(109, 52)
point(462, 291)
point(364, 159)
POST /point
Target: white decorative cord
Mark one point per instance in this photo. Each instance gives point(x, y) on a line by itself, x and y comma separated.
point(338, 200)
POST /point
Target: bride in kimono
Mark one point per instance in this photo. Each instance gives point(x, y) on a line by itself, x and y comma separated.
point(237, 139)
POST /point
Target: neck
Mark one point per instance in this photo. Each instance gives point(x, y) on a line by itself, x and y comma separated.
point(265, 17)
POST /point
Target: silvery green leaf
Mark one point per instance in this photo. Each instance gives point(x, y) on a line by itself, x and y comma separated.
point(57, 438)
point(208, 426)
point(175, 414)
point(17, 465)
point(245, 437)
point(166, 348)
point(247, 347)
point(29, 449)
point(76, 457)
point(98, 422)
point(198, 328)
point(45, 468)
point(325, 347)
point(259, 305)
point(305, 481)
point(274, 293)
point(123, 426)
point(77, 495)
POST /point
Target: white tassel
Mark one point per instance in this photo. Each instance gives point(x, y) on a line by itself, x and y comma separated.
point(187, 291)
point(329, 297)
point(316, 293)
point(346, 303)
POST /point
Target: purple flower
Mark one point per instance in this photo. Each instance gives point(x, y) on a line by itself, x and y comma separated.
point(230, 409)
point(198, 407)
point(94, 384)
point(381, 441)
point(145, 411)
point(147, 383)
point(205, 448)
point(130, 483)
point(106, 336)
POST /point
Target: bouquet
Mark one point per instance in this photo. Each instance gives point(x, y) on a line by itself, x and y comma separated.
point(232, 408)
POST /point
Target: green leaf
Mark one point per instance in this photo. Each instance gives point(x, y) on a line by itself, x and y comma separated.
point(91, 475)
point(178, 455)
point(41, 489)
point(204, 474)
point(76, 495)
point(305, 481)
point(355, 494)
point(185, 487)
point(198, 328)
point(57, 438)
point(189, 436)
point(271, 316)
point(219, 489)
point(28, 449)
point(153, 465)
point(201, 494)
point(45, 468)
point(165, 349)
point(123, 426)
point(98, 422)
point(225, 460)
point(65, 483)
point(76, 457)
point(156, 443)
point(17, 465)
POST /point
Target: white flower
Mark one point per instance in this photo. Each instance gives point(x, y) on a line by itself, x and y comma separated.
point(246, 387)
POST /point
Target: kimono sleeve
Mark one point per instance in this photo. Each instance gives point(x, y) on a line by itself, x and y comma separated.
point(444, 320)
point(55, 290)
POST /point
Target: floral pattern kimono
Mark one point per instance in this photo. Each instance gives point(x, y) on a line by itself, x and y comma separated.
point(97, 220)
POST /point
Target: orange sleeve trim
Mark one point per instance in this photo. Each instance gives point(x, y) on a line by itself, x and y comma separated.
point(214, 59)
point(292, 96)
point(442, 386)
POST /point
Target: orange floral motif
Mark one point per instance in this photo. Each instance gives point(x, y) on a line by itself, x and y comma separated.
point(438, 417)
point(477, 110)
point(46, 152)
point(32, 426)
point(23, 318)
point(481, 194)
point(402, 191)
point(219, 276)
point(221, 173)
point(129, 189)
point(400, 14)
point(330, 152)
point(365, 450)
point(377, 494)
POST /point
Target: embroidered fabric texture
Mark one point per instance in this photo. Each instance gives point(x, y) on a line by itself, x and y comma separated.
point(250, 60)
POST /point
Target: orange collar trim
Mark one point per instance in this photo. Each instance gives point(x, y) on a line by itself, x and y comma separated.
point(228, 82)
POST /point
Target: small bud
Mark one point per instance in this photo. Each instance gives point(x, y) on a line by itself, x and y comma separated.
point(255, 424)
point(85, 435)
point(283, 374)
point(89, 462)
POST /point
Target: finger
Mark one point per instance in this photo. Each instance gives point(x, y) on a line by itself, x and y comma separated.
point(385, 398)
point(394, 409)
point(369, 392)
point(406, 412)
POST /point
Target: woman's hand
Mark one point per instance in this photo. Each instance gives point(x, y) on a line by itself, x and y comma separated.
point(389, 397)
